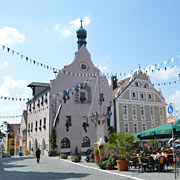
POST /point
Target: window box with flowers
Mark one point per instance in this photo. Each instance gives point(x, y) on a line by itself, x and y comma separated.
point(85, 125)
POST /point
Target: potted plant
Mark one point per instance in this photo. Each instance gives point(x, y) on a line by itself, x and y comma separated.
point(123, 143)
point(63, 155)
point(107, 163)
point(76, 158)
point(96, 155)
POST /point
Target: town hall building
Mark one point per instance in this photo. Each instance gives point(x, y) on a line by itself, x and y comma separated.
point(76, 104)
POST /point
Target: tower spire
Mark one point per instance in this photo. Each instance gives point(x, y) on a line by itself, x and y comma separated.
point(81, 35)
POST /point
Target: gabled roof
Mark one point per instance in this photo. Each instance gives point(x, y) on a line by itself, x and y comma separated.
point(124, 82)
point(39, 84)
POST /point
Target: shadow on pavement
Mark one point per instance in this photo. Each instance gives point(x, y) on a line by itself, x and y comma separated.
point(5, 174)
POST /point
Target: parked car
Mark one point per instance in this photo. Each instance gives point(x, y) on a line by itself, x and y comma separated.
point(6, 154)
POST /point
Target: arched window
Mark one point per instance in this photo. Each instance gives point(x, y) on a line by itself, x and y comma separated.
point(85, 142)
point(65, 143)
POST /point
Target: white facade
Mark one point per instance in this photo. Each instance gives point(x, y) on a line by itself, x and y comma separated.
point(71, 99)
point(38, 123)
point(83, 101)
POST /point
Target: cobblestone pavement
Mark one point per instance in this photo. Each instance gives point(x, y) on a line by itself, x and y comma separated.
point(53, 168)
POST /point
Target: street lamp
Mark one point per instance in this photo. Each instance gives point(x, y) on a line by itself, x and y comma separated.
point(99, 120)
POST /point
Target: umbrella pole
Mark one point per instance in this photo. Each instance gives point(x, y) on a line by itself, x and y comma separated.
point(174, 159)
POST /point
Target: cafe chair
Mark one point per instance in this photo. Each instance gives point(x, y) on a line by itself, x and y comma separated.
point(142, 165)
point(160, 163)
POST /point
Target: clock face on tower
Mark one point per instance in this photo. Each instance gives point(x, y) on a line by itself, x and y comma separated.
point(84, 66)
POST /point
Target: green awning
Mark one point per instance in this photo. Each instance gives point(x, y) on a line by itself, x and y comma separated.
point(161, 131)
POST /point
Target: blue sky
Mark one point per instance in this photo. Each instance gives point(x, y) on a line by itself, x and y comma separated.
point(121, 35)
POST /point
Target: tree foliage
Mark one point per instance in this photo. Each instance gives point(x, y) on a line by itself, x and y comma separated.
point(52, 139)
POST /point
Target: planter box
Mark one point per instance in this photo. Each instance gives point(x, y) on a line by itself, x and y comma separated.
point(63, 156)
point(75, 158)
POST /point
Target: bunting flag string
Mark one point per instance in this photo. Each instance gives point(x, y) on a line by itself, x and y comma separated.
point(167, 64)
point(66, 94)
point(10, 117)
point(166, 83)
point(13, 99)
point(28, 59)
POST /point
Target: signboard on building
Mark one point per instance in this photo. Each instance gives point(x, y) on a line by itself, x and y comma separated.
point(171, 118)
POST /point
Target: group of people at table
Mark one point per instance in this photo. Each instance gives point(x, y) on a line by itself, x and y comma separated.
point(155, 154)
point(152, 158)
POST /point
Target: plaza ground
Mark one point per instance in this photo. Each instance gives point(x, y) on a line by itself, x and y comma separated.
point(53, 168)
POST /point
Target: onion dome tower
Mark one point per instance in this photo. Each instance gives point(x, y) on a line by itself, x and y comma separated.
point(81, 35)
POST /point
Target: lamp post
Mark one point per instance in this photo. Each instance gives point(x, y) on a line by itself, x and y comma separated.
point(98, 118)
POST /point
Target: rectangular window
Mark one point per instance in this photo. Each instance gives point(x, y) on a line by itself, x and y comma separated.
point(124, 109)
point(152, 111)
point(153, 124)
point(143, 126)
point(31, 127)
point(142, 110)
point(44, 126)
point(136, 84)
point(68, 120)
point(36, 126)
point(135, 128)
point(82, 97)
point(142, 95)
point(134, 110)
point(45, 121)
point(126, 127)
point(161, 111)
point(133, 94)
point(150, 96)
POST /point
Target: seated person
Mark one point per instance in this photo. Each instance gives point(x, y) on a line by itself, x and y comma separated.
point(158, 155)
point(90, 155)
point(163, 152)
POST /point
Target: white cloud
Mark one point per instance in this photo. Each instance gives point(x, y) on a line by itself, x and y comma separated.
point(102, 68)
point(67, 30)
point(9, 35)
point(77, 23)
point(64, 31)
point(165, 75)
point(3, 64)
point(16, 89)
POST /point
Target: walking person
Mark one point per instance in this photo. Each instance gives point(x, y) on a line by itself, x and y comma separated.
point(38, 153)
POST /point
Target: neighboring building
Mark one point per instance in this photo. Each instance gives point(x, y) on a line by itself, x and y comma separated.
point(78, 91)
point(23, 132)
point(38, 118)
point(139, 106)
point(2, 142)
point(12, 138)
